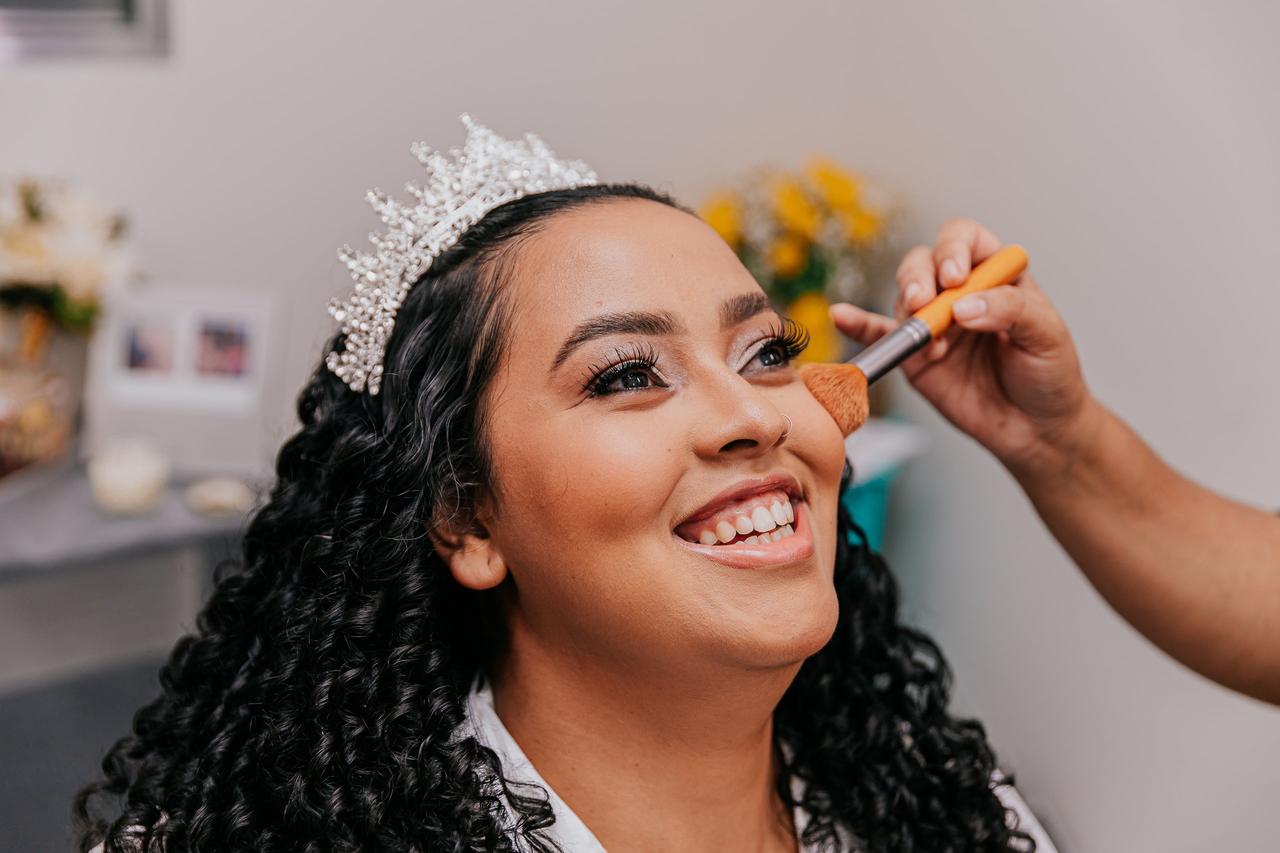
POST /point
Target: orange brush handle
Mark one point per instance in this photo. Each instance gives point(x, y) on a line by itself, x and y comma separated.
point(1003, 267)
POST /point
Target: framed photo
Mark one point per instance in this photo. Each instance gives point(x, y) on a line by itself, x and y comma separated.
point(187, 368)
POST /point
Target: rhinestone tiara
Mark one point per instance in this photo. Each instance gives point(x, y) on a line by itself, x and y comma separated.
point(459, 190)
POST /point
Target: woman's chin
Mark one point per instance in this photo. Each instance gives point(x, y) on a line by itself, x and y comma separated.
point(788, 634)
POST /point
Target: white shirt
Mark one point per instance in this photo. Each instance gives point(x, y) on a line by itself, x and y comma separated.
point(573, 836)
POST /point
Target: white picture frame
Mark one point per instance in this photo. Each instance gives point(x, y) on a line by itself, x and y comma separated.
point(185, 367)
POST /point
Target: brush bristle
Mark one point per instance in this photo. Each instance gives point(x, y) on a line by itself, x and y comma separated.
point(842, 391)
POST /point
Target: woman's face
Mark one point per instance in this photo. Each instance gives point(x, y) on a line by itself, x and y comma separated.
point(638, 417)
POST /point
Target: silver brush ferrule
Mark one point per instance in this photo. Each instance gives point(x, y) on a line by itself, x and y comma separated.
point(893, 349)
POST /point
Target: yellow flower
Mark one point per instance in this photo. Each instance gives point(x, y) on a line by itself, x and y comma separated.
point(839, 187)
point(788, 256)
point(810, 311)
point(794, 210)
point(863, 225)
point(722, 213)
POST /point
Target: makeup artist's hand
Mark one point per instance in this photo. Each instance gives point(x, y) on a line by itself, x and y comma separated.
point(1018, 388)
point(1198, 573)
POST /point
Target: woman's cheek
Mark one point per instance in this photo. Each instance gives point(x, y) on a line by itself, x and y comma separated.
point(821, 446)
point(603, 478)
point(823, 443)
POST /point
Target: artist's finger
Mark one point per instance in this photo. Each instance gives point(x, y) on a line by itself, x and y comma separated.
point(961, 244)
point(1024, 313)
point(937, 349)
point(863, 326)
point(916, 281)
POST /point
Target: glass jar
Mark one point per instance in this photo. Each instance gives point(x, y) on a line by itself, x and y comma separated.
point(36, 416)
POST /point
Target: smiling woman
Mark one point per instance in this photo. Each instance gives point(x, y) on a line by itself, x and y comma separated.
point(577, 578)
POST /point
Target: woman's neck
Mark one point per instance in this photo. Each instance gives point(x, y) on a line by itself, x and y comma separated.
point(653, 762)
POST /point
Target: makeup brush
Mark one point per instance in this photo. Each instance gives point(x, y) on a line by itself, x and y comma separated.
point(842, 388)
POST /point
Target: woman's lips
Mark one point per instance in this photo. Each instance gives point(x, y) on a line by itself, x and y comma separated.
point(763, 515)
point(742, 555)
point(744, 491)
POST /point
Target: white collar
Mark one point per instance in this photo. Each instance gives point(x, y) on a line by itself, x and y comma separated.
point(573, 836)
point(568, 831)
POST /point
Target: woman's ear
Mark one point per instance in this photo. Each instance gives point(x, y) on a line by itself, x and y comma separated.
point(470, 554)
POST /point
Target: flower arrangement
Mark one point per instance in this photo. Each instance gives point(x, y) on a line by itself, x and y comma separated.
point(809, 238)
point(59, 251)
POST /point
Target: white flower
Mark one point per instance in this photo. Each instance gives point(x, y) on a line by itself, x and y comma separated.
point(71, 244)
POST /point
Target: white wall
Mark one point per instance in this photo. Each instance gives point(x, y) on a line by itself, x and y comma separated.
point(1132, 147)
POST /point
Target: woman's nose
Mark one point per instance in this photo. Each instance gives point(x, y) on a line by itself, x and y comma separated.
point(739, 421)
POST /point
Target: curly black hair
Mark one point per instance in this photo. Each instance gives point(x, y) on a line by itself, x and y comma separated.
point(319, 704)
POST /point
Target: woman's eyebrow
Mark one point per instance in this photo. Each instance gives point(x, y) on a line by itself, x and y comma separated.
point(733, 311)
point(744, 306)
point(621, 323)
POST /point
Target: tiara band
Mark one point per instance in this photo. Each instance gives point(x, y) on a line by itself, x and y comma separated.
point(459, 190)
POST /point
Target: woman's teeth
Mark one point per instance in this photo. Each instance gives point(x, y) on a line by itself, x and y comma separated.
point(764, 523)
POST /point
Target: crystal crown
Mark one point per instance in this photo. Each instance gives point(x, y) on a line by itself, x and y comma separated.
point(459, 190)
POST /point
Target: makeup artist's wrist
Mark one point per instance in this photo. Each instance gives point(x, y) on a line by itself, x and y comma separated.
point(1071, 451)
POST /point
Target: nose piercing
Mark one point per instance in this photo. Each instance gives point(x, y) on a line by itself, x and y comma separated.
point(787, 431)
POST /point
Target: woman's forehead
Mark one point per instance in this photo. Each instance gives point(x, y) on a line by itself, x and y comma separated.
point(630, 255)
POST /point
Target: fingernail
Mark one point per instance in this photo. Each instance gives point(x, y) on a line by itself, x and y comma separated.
point(950, 270)
point(913, 290)
point(969, 307)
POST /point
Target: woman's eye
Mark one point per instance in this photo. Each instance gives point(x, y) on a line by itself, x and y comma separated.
point(785, 343)
point(773, 355)
point(635, 377)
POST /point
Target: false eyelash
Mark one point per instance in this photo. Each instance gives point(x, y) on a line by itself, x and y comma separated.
point(643, 356)
point(788, 334)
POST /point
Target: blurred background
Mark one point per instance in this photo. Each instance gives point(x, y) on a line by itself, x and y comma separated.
point(185, 175)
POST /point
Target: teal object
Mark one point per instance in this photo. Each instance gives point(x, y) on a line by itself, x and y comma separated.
point(868, 503)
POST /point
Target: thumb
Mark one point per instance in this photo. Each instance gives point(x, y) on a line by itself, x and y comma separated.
point(1028, 317)
point(863, 326)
